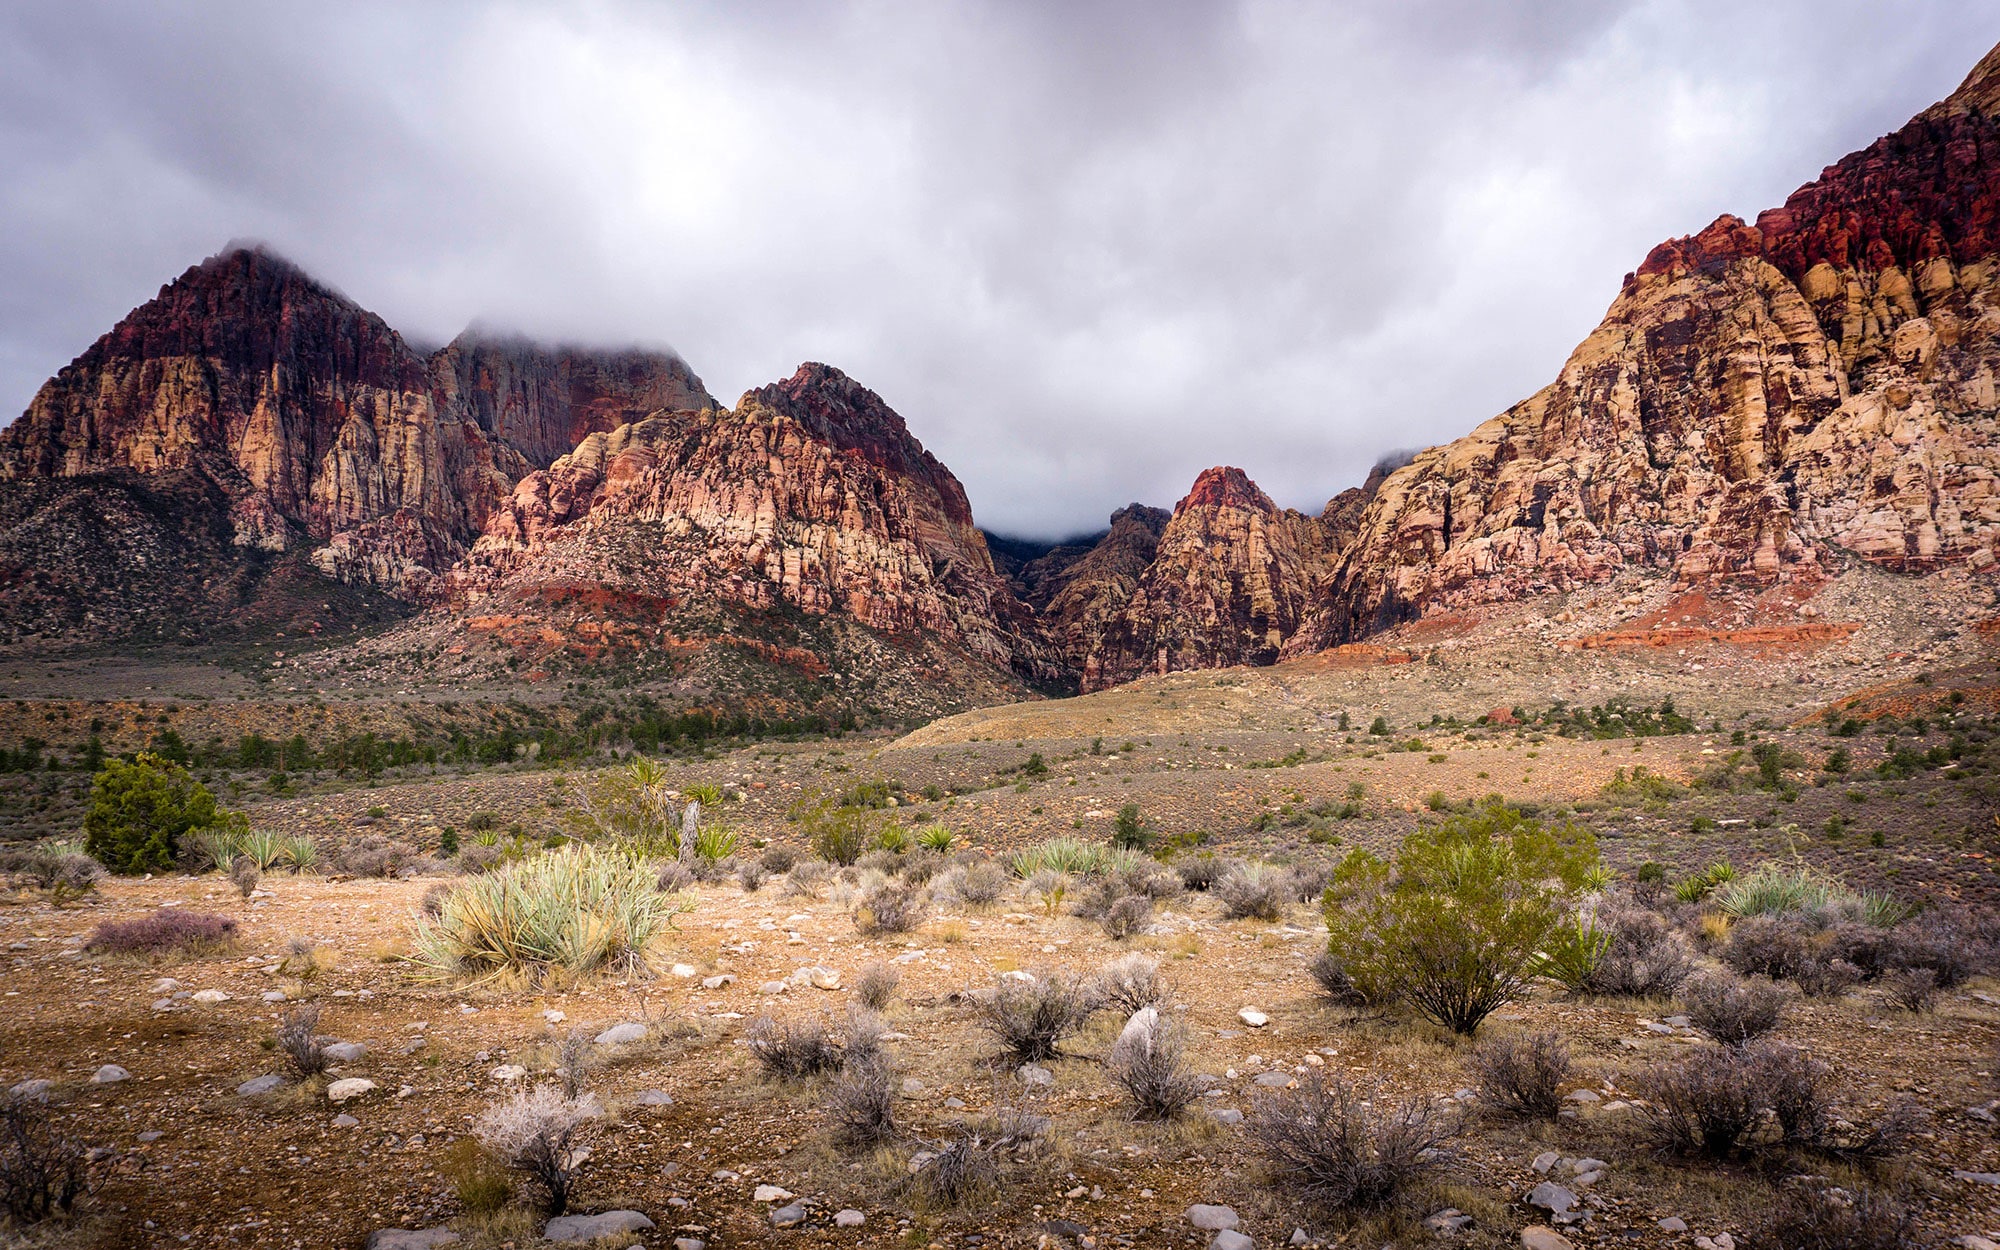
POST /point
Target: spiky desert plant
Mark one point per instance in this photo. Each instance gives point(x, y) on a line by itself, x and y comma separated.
point(577, 910)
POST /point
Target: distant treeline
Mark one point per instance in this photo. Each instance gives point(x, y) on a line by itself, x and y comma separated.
point(595, 731)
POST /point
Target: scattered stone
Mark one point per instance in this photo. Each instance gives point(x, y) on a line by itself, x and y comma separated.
point(1227, 1115)
point(1545, 1160)
point(850, 1218)
point(789, 1217)
point(151, 1134)
point(1449, 1220)
point(349, 1088)
point(773, 987)
point(37, 1089)
point(1211, 1218)
point(772, 1193)
point(109, 1074)
point(1978, 1178)
point(621, 1034)
point(1672, 1224)
point(165, 985)
point(912, 1087)
point(1035, 1076)
point(260, 1085)
point(410, 1238)
point(684, 971)
point(1550, 1196)
point(1973, 1241)
point(345, 1052)
point(1583, 1096)
point(655, 1098)
point(1230, 1239)
point(1300, 1238)
point(1273, 1080)
point(508, 1072)
point(690, 1243)
point(717, 982)
point(823, 978)
point(344, 1120)
point(1253, 1017)
point(591, 1227)
point(208, 998)
point(271, 996)
point(1542, 1237)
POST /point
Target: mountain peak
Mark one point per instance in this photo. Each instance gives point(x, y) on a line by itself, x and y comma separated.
point(1981, 89)
point(1226, 486)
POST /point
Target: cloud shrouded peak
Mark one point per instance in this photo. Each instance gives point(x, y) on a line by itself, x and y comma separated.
point(1085, 250)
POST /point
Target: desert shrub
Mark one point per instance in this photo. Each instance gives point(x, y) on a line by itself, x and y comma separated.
point(1129, 983)
point(300, 1042)
point(1938, 942)
point(1328, 1147)
point(1127, 916)
point(750, 875)
point(936, 838)
point(1032, 1018)
point(876, 985)
point(960, 1170)
point(41, 1168)
point(1453, 924)
point(55, 867)
point(476, 859)
point(1646, 957)
point(478, 1179)
point(170, 930)
point(1713, 1104)
point(1524, 1076)
point(140, 811)
point(1826, 978)
point(1257, 891)
point(536, 1131)
point(778, 859)
point(1129, 830)
point(1733, 1010)
point(1698, 886)
point(922, 866)
point(376, 857)
point(244, 876)
point(1148, 1063)
point(1912, 989)
point(806, 878)
point(1309, 881)
point(837, 832)
point(891, 908)
point(888, 863)
point(1201, 872)
point(1571, 952)
point(1329, 974)
point(1704, 1104)
point(576, 910)
point(1048, 887)
point(861, 1104)
point(803, 1047)
point(980, 885)
point(1813, 1219)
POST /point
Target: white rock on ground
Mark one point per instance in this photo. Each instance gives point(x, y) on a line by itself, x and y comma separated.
point(1211, 1218)
point(591, 1227)
point(109, 1074)
point(345, 1052)
point(348, 1089)
point(410, 1238)
point(1253, 1017)
point(622, 1034)
point(849, 1218)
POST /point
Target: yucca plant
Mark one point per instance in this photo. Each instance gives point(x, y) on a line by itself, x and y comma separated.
point(935, 838)
point(1697, 887)
point(892, 837)
point(300, 854)
point(715, 842)
point(220, 846)
point(706, 793)
point(263, 848)
point(1572, 952)
point(571, 911)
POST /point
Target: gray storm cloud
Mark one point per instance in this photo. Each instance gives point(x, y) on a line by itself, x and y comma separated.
point(1086, 249)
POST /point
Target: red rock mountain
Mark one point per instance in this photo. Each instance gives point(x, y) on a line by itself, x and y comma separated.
point(1230, 578)
point(1761, 402)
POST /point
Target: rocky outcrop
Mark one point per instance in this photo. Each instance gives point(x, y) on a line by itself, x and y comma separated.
point(542, 401)
point(1760, 403)
point(1075, 590)
point(1228, 583)
point(811, 496)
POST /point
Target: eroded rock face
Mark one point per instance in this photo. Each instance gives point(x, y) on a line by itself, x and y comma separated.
point(1076, 594)
point(811, 495)
point(328, 432)
point(1760, 402)
point(1228, 584)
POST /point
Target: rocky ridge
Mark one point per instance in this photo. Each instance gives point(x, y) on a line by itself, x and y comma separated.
point(1760, 403)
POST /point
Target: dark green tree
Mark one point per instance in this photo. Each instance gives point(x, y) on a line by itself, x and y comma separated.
point(140, 811)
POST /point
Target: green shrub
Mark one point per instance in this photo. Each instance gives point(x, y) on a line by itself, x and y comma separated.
point(892, 838)
point(574, 910)
point(1130, 832)
point(1697, 887)
point(1454, 924)
point(140, 811)
point(1572, 953)
point(935, 838)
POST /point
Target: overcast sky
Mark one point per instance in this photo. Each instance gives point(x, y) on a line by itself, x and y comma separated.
point(1085, 249)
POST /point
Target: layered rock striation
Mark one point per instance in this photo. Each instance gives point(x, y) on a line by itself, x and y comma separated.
point(1761, 402)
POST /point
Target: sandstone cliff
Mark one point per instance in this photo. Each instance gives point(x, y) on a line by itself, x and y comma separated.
point(811, 496)
point(1760, 402)
point(1230, 579)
